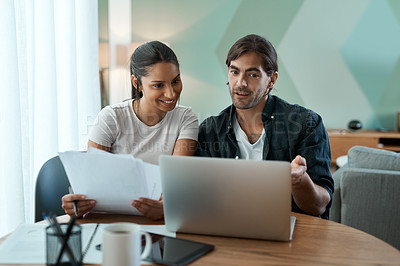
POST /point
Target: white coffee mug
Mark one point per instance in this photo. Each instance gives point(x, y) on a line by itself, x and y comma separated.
point(122, 243)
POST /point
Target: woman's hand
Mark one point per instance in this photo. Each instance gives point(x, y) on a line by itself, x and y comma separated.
point(152, 209)
point(83, 205)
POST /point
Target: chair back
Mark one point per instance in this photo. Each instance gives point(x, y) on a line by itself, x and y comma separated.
point(51, 185)
point(367, 193)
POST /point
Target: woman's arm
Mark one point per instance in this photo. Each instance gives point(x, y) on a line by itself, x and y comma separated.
point(97, 146)
point(184, 147)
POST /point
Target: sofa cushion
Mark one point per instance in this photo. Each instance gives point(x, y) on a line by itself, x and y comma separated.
point(369, 202)
point(363, 157)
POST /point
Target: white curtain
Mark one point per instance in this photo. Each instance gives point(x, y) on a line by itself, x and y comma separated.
point(50, 92)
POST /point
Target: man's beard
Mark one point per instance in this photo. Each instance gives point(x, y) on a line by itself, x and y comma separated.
point(251, 101)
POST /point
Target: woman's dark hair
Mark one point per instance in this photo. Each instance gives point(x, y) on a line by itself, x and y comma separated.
point(259, 45)
point(144, 57)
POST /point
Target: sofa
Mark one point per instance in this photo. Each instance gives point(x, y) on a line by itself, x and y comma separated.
point(367, 193)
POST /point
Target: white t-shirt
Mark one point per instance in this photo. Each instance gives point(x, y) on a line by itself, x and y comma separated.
point(248, 151)
point(118, 127)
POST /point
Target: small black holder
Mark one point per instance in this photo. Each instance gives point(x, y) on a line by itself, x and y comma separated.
point(64, 244)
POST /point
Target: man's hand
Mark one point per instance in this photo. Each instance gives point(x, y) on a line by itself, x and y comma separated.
point(83, 205)
point(152, 209)
point(299, 169)
point(310, 197)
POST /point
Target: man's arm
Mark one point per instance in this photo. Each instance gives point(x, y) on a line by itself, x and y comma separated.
point(308, 196)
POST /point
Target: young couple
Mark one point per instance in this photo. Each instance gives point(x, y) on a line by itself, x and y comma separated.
point(257, 126)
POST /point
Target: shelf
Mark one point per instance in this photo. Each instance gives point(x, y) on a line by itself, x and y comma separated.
point(390, 148)
point(341, 140)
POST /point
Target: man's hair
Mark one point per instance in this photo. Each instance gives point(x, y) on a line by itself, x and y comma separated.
point(259, 45)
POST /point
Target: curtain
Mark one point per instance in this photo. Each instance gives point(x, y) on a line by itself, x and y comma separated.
point(50, 92)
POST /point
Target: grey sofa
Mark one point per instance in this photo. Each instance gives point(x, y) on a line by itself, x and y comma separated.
point(367, 193)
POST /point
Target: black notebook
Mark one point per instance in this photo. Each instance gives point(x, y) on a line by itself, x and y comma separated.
point(175, 251)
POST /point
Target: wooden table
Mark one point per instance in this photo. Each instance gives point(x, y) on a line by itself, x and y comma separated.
point(315, 242)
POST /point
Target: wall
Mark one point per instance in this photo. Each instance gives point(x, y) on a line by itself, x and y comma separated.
point(337, 57)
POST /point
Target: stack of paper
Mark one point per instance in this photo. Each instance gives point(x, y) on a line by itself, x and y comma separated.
point(112, 180)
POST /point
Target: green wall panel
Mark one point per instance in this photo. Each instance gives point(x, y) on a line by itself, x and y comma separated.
point(103, 20)
point(390, 101)
point(337, 57)
point(395, 7)
point(373, 49)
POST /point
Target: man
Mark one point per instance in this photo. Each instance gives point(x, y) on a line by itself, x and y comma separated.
point(260, 126)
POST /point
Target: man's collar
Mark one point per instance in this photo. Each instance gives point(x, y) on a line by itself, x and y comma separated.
point(232, 112)
point(268, 111)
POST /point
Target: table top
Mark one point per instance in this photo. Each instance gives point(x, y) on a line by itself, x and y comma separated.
point(315, 242)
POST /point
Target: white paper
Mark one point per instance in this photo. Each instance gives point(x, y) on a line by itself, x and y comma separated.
point(27, 245)
point(112, 180)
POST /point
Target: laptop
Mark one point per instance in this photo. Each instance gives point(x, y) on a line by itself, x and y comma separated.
point(227, 197)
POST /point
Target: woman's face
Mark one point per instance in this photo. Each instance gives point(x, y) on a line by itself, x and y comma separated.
point(161, 89)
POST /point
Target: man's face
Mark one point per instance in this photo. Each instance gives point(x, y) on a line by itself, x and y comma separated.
point(248, 81)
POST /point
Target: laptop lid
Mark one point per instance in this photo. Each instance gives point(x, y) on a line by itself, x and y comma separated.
point(227, 197)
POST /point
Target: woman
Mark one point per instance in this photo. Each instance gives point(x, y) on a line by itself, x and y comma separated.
point(148, 125)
